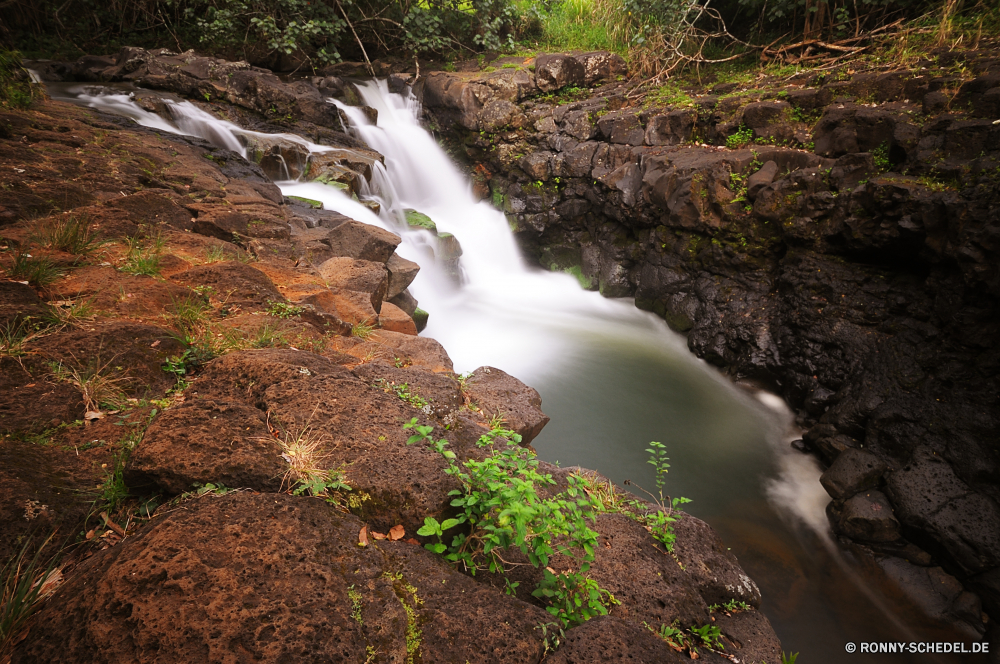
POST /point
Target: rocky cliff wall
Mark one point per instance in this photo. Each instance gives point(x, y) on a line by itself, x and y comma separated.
point(833, 235)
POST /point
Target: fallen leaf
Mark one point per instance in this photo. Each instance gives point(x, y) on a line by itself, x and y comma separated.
point(93, 415)
point(111, 524)
point(363, 536)
point(396, 533)
point(410, 540)
point(155, 344)
point(378, 536)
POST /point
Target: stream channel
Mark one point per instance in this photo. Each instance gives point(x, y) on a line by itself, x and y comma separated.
point(612, 378)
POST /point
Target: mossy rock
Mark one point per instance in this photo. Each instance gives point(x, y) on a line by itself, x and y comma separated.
point(316, 205)
point(420, 220)
point(586, 282)
point(420, 318)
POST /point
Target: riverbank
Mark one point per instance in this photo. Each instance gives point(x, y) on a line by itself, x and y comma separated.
point(185, 337)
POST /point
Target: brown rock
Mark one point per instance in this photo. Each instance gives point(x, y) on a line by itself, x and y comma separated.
point(395, 319)
point(854, 470)
point(497, 392)
point(236, 283)
point(349, 306)
point(200, 568)
point(419, 351)
point(749, 636)
point(207, 441)
point(609, 639)
point(357, 275)
point(362, 241)
point(401, 274)
point(713, 568)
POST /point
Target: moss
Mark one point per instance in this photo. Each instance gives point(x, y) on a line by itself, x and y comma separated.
point(586, 282)
point(317, 205)
point(406, 593)
point(420, 220)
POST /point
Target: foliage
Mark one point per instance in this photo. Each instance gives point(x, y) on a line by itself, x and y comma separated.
point(401, 390)
point(789, 658)
point(880, 156)
point(499, 508)
point(282, 309)
point(39, 271)
point(16, 88)
point(362, 330)
point(99, 383)
point(143, 256)
point(70, 234)
point(742, 137)
point(16, 333)
point(25, 581)
point(705, 636)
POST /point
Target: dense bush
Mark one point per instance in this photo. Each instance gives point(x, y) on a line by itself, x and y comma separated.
point(263, 31)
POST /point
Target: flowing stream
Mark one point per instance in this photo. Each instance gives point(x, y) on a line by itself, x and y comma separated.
point(611, 377)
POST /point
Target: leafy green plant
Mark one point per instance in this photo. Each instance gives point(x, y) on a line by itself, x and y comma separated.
point(39, 271)
point(282, 309)
point(499, 508)
point(401, 390)
point(742, 137)
point(881, 157)
point(789, 658)
point(16, 88)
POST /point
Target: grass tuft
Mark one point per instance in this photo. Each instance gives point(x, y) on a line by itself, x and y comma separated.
point(70, 234)
point(98, 383)
point(24, 583)
point(39, 271)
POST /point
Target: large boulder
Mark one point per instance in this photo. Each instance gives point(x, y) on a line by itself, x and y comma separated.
point(557, 71)
point(854, 470)
point(357, 275)
point(496, 392)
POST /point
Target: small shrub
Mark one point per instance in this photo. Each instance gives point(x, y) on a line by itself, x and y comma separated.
point(39, 271)
point(742, 137)
point(97, 382)
point(143, 256)
point(362, 330)
point(282, 309)
point(70, 234)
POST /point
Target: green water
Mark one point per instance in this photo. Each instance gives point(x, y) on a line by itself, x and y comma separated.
point(724, 447)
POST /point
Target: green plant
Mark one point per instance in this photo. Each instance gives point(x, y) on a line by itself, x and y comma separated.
point(39, 271)
point(70, 234)
point(356, 607)
point(362, 330)
point(282, 309)
point(189, 315)
point(308, 474)
point(16, 333)
point(499, 508)
point(69, 312)
point(789, 658)
point(24, 582)
point(742, 137)
point(401, 390)
point(16, 88)
point(143, 256)
point(113, 490)
point(98, 382)
point(406, 593)
point(881, 157)
point(215, 254)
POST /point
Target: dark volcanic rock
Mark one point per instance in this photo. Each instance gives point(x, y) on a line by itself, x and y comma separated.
point(853, 471)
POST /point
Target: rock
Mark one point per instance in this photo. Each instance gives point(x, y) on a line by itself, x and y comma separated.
point(622, 127)
point(19, 304)
point(455, 97)
point(599, 66)
point(499, 114)
point(351, 307)
point(536, 165)
point(749, 636)
point(497, 392)
point(945, 513)
point(357, 275)
point(761, 179)
point(394, 319)
point(935, 102)
point(556, 71)
point(228, 226)
point(609, 639)
point(420, 317)
point(238, 282)
point(713, 568)
point(145, 206)
point(671, 128)
point(419, 351)
point(207, 441)
point(406, 302)
point(278, 157)
point(397, 599)
point(868, 517)
point(442, 392)
point(401, 274)
point(768, 119)
point(938, 594)
point(853, 471)
point(355, 239)
point(579, 124)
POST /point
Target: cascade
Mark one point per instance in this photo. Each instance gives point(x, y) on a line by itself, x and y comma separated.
point(612, 377)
